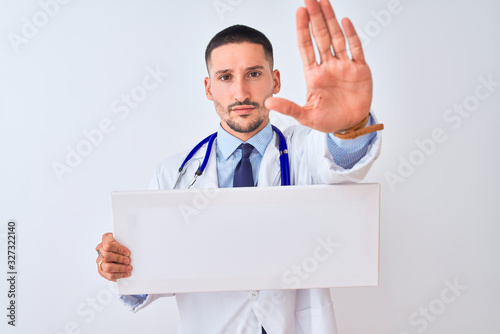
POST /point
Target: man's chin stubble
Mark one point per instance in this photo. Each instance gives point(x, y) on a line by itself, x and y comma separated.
point(250, 128)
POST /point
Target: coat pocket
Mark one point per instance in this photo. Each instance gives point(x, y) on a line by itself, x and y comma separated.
point(316, 320)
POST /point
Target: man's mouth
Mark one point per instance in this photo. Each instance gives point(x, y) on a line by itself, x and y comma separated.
point(243, 110)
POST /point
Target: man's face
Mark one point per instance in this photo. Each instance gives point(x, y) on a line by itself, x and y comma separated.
point(240, 81)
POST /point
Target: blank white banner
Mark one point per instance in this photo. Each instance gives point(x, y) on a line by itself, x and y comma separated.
point(249, 238)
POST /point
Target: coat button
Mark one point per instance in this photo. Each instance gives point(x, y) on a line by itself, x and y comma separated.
point(254, 295)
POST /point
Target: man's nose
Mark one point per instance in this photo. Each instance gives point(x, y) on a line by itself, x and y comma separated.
point(241, 91)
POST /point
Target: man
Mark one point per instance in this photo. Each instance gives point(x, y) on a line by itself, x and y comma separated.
point(241, 83)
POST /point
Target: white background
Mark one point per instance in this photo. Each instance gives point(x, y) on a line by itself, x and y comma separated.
point(439, 218)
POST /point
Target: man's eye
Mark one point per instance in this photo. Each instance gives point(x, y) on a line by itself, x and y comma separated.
point(224, 77)
point(254, 74)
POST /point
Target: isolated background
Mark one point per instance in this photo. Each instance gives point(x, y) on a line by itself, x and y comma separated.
point(439, 221)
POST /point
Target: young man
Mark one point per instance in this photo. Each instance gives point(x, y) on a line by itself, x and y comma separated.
point(241, 84)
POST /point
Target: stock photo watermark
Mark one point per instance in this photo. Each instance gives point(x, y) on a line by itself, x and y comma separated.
point(12, 274)
point(31, 26)
point(200, 201)
point(87, 310)
point(122, 106)
point(222, 7)
point(298, 273)
point(381, 20)
point(264, 308)
point(293, 278)
point(453, 117)
point(425, 315)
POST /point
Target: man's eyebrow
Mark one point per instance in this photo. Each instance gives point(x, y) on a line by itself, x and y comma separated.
point(257, 67)
point(251, 68)
point(227, 70)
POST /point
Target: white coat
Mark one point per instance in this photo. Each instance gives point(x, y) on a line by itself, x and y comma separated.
point(279, 311)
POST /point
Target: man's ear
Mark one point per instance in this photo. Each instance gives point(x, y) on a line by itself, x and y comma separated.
point(208, 91)
point(276, 82)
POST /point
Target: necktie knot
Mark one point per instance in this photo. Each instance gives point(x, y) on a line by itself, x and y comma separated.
point(246, 150)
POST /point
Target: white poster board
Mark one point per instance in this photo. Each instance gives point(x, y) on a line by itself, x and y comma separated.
point(249, 238)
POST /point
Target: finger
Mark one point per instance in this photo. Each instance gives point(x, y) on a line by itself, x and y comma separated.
point(112, 268)
point(319, 30)
point(113, 271)
point(285, 107)
point(112, 257)
point(304, 40)
point(109, 244)
point(99, 250)
point(354, 42)
point(337, 36)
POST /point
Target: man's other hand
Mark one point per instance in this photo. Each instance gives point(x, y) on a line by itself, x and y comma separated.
point(113, 259)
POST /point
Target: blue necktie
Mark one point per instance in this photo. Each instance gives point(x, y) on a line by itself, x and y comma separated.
point(243, 175)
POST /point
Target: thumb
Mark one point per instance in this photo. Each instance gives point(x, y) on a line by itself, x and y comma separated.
point(284, 106)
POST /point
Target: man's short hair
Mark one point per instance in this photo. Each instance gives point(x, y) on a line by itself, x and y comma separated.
point(240, 34)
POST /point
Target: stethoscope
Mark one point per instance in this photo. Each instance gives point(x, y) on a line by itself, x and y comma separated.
point(283, 149)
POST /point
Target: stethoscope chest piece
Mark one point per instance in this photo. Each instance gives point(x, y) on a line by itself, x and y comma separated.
point(183, 170)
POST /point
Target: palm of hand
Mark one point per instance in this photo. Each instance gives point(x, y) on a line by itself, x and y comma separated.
point(339, 89)
point(339, 95)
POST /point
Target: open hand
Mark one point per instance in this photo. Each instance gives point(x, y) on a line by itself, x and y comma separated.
point(339, 89)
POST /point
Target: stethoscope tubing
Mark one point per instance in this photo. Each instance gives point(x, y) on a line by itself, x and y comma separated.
point(284, 165)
